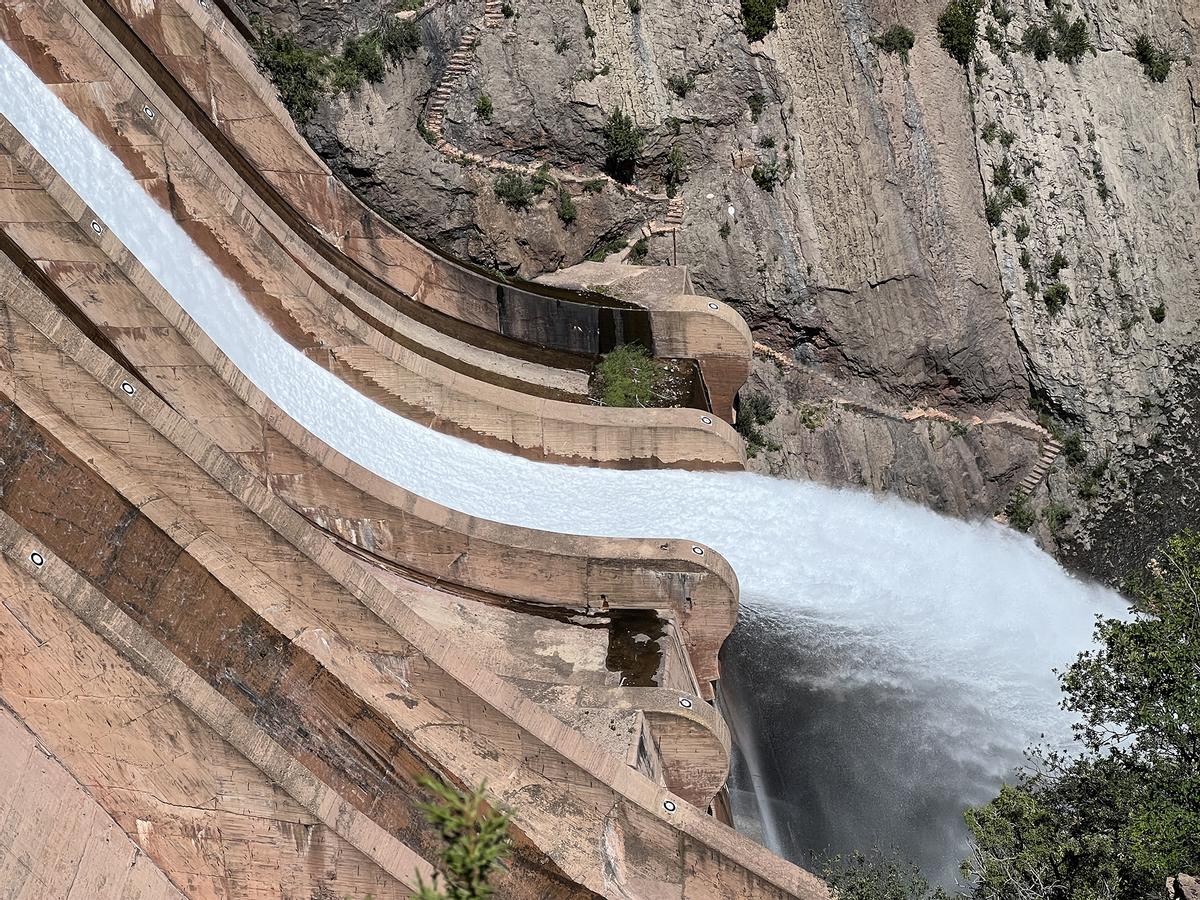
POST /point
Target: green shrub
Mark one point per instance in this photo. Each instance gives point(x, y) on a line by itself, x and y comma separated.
point(299, 74)
point(896, 39)
point(1038, 42)
point(755, 409)
point(1002, 174)
point(1058, 262)
point(877, 876)
point(1021, 514)
point(400, 39)
point(629, 376)
point(1156, 63)
point(765, 175)
point(561, 44)
point(1071, 39)
point(1158, 312)
point(958, 27)
point(724, 231)
point(594, 186)
point(757, 103)
point(635, 6)
point(1019, 194)
point(1026, 260)
point(1021, 231)
point(541, 180)
point(1056, 516)
point(1007, 138)
point(622, 144)
point(1002, 13)
point(363, 56)
point(995, 206)
point(638, 252)
point(483, 107)
point(507, 10)
point(681, 85)
point(758, 18)
point(566, 208)
point(607, 249)
point(1056, 297)
point(476, 840)
point(677, 172)
point(988, 132)
point(513, 191)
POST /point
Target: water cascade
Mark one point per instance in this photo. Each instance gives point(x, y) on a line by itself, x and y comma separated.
point(890, 662)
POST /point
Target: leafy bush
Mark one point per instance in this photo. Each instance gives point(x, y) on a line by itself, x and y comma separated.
point(476, 841)
point(724, 231)
point(1156, 63)
point(754, 410)
point(1026, 260)
point(513, 191)
point(1158, 312)
point(758, 18)
point(629, 376)
point(616, 245)
point(483, 107)
point(677, 172)
point(1119, 815)
point(1021, 514)
point(877, 876)
point(298, 74)
point(1057, 515)
point(594, 186)
point(757, 103)
point(541, 180)
point(995, 206)
point(1038, 42)
point(1019, 194)
point(1021, 231)
point(400, 39)
point(363, 57)
point(638, 252)
point(1056, 297)
point(681, 85)
point(561, 44)
point(1058, 262)
point(1071, 38)
point(765, 175)
point(958, 27)
point(1002, 13)
point(566, 208)
point(635, 6)
point(622, 143)
point(1002, 174)
point(896, 39)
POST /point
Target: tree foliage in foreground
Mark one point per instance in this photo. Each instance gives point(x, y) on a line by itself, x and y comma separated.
point(1117, 818)
point(476, 838)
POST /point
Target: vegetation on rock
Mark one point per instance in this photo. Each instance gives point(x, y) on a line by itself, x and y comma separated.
point(1122, 814)
point(758, 17)
point(476, 840)
point(754, 410)
point(1156, 62)
point(629, 376)
point(622, 144)
point(958, 27)
point(483, 107)
point(513, 191)
point(896, 39)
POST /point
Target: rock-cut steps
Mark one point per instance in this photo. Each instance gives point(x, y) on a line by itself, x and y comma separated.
point(458, 66)
point(1051, 450)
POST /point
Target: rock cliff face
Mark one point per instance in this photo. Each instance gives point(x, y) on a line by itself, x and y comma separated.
point(841, 197)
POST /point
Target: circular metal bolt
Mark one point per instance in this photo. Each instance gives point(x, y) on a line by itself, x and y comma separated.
point(699, 551)
point(713, 306)
point(128, 388)
point(706, 420)
point(685, 702)
point(36, 559)
point(148, 111)
point(669, 805)
point(97, 227)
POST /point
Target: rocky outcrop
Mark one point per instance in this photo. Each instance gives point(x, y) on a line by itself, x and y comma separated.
point(840, 197)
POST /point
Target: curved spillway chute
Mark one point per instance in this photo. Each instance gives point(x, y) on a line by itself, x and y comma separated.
point(627, 832)
point(194, 46)
point(255, 248)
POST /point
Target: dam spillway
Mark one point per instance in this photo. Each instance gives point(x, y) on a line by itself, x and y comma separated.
point(969, 617)
point(877, 573)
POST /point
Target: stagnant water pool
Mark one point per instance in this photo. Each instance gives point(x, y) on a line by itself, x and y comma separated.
point(890, 663)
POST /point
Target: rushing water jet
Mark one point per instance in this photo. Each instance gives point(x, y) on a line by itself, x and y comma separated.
point(890, 663)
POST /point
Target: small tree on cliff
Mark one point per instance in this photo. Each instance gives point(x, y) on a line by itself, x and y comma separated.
point(1120, 817)
point(476, 837)
point(622, 143)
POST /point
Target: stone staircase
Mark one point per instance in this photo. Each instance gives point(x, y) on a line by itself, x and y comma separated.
point(434, 121)
point(1051, 450)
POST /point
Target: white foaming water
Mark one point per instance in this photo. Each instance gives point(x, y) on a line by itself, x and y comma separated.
point(912, 597)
